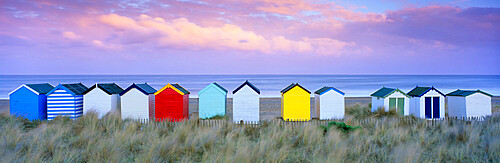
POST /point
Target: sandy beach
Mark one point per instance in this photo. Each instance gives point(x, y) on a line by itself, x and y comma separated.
point(270, 107)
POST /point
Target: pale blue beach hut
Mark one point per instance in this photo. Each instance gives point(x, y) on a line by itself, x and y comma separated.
point(66, 100)
point(212, 101)
point(30, 101)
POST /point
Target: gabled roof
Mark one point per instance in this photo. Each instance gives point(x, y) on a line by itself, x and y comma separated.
point(144, 88)
point(420, 91)
point(109, 88)
point(384, 92)
point(326, 89)
point(222, 88)
point(249, 84)
point(219, 88)
point(465, 93)
point(75, 89)
point(176, 87)
point(294, 85)
point(43, 88)
point(180, 88)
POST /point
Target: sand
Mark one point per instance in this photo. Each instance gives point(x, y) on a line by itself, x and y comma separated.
point(270, 107)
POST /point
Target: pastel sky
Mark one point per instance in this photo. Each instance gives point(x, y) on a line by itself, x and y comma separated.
point(249, 37)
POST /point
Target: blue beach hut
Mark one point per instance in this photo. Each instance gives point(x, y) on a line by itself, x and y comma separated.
point(212, 101)
point(30, 101)
point(66, 100)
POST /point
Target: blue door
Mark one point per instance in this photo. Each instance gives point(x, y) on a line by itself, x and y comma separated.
point(435, 103)
point(428, 107)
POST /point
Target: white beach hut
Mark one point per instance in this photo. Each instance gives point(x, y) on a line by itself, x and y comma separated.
point(469, 103)
point(329, 103)
point(102, 98)
point(138, 102)
point(391, 98)
point(427, 102)
point(246, 103)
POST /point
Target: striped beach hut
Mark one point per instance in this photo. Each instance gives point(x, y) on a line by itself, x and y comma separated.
point(427, 102)
point(246, 103)
point(102, 98)
point(391, 99)
point(212, 101)
point(295, 103)
point(138, 102)
point(172, 102)
point(329, 103)
point(30, 101)
point(469, 103)
point(66, 100)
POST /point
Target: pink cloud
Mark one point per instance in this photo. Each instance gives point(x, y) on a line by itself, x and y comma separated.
point(184, 34)
point(71, 35)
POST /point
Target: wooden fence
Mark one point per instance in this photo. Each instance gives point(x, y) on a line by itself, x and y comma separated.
point(353, 122)
point(406, 121)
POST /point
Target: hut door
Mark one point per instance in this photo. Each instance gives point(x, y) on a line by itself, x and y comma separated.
point(435, 104)
point(428, 107)
point(392, 103)
point(401, 106)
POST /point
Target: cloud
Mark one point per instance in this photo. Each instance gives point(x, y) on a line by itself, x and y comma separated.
point(71, 35)
point(105, 46)
point(183, 34)
point(445, 24)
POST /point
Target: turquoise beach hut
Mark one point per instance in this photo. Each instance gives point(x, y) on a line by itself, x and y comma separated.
point(30, 101)
point(66, 100)
point(212, 101)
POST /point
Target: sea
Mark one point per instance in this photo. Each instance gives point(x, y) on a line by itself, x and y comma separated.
point(271, 85)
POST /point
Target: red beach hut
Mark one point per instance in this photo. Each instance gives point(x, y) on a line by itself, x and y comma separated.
point(172, 102)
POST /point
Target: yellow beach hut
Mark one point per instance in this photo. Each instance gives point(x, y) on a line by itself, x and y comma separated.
point(295, 103)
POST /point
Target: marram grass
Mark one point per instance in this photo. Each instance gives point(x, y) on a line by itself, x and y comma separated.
point(384, 139)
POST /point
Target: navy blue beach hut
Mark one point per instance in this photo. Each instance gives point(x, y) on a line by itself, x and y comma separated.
point(30, 101)
point(66, 100)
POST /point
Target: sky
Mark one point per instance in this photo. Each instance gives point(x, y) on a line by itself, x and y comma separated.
point(458, 37)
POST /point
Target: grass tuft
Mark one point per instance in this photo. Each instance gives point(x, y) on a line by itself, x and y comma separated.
point(383, 138)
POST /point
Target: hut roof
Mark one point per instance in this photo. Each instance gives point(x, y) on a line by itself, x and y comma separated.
point(180, 88)
point(109, 88)
point(222, 88)
point(144, 88)
point(294, 85)
point(326, 89)
point(176, 87)
point(77, 88)
point(420, 91)
point(249, 84)
point(465, 93)
point(43, 88)
point(384, 92)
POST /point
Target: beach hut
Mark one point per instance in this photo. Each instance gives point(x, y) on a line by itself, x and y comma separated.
point(172, 102)
point(30, 101)
point(469, 103)
point(66, 100)
point(295, 103)
point(138, 102)
point(212, 101)
point(391, 98)
point(329, 103)
point(427, 102)
point(102, 98)
point(246, 103)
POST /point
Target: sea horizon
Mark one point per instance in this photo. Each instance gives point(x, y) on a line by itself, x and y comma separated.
point(271, 84)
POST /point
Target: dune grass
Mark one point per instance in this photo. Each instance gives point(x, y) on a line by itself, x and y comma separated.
point(89, 139)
